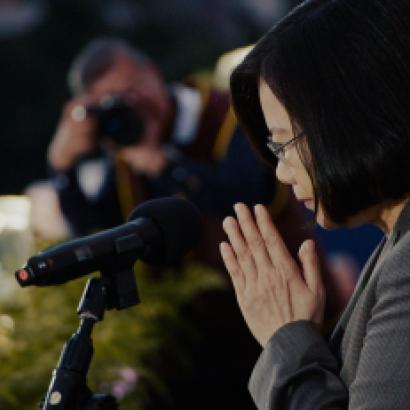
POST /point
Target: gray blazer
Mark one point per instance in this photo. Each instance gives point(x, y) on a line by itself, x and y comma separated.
point(366, 362)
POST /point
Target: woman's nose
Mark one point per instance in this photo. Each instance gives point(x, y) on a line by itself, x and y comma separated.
point(284, 173)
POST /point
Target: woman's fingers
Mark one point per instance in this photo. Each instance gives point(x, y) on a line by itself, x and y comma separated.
point(232, 265)
point(313, 279)
point(240, 247)
point(276, 248)
point(269, 285)
point(311, 266)
point(253, 237)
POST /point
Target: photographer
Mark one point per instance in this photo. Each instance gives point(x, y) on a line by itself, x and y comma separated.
point(151, 140)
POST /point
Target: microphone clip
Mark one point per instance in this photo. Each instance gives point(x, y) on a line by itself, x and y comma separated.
point(68, 390)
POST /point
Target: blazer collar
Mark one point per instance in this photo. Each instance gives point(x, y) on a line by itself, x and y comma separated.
point(402, 225)
point(367, 270)
point(400, 228)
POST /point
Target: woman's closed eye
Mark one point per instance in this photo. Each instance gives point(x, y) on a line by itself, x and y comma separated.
point(275, 147)
point(278, 149)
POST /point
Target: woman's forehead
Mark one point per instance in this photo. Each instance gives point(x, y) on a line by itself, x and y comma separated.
point(276, 117)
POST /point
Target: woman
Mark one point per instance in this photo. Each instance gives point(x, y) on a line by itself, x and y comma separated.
point(327, 92)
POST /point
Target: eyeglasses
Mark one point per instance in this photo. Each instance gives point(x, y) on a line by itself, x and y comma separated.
point(278, 149)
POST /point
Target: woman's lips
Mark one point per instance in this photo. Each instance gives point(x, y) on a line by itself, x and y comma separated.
point(308, 203)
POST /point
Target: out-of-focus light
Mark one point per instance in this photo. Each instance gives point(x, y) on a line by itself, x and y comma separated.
point(14, 212)
point(15, 237)
point(6, 324)
point(226, 64)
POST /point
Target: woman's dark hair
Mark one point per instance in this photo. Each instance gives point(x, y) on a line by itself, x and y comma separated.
point(341, 68)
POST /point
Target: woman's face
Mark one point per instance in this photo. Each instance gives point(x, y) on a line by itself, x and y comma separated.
point(290, 169)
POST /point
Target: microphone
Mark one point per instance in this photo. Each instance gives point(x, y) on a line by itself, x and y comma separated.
point(159, 231)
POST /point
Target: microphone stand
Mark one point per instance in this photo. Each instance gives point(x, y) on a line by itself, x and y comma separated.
point(68, 386)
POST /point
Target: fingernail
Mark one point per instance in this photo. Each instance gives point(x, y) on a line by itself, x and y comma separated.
point(257, 208)
point(224, 245)
point(303, 247)
point(227, 221)
point(238, 208)
point(307, 246)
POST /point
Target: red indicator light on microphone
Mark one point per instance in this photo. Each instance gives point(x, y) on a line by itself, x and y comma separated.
point(23, 275)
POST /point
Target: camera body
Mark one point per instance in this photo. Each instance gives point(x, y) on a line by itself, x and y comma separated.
point(117, 120)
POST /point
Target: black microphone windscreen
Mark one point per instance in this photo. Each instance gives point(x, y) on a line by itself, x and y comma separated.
point(178, 220)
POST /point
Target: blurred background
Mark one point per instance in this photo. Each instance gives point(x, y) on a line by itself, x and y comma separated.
point(39, 38)
point(146, 346)
point(140, 353)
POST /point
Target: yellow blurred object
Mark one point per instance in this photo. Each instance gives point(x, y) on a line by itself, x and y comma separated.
point(226, 64)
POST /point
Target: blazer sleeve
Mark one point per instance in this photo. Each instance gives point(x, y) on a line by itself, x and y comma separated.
point(383, 374)
point(297, 371)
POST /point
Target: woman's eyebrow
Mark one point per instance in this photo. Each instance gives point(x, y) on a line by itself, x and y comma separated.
point(277, 131)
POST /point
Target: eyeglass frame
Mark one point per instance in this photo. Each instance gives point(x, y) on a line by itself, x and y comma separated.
point(278, 150)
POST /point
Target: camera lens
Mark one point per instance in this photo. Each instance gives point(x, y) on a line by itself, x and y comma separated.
point(119, 121)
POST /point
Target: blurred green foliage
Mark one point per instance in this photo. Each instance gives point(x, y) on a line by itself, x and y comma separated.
point(148, 338)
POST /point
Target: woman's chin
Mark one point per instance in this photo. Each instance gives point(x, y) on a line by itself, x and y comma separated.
point(325, 222)
point(309, 204)
point(321, 218)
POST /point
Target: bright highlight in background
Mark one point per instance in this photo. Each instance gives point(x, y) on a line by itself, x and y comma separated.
point(16, 240)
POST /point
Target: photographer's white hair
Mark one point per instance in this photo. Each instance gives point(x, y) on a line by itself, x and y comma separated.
point(94, 60)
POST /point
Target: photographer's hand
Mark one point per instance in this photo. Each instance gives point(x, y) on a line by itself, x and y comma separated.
point(146, 159)
point(74, 137)
point(271, 288)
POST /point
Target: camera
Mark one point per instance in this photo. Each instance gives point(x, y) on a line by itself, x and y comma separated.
point(117, 120)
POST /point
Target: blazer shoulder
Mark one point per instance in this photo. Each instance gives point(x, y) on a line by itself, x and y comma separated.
point(395, 268)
